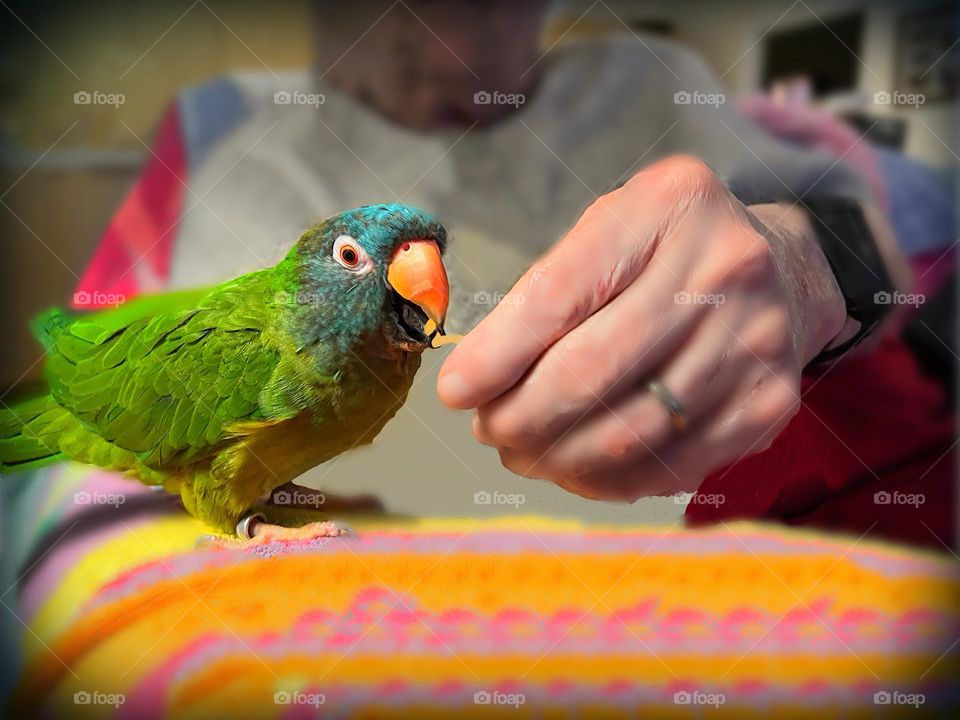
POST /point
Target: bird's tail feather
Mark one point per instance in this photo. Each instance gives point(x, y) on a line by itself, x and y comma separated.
point(29, 433)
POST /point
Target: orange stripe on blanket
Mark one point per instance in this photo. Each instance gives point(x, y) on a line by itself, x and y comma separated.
point(434, 612)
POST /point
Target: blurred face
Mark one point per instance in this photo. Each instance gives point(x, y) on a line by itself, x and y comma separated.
point(421, 63)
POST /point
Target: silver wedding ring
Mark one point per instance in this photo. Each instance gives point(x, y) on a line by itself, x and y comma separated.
point(670, 402)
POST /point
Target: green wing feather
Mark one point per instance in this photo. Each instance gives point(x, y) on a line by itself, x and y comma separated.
point(165, 386)
point(156, 383)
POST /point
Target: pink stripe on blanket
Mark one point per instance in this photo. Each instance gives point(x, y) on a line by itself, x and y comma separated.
point(73, 491)
point(50, 573)
point(149, 699)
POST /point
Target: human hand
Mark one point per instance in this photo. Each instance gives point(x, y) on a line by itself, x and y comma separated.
point(667, 277)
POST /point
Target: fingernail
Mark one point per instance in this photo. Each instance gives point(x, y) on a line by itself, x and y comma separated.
point(453, 389)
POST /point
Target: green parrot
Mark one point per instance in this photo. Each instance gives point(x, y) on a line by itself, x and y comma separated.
point(224, 394)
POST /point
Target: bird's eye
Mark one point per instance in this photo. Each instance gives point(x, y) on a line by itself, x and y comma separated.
point(348, 253)
point(349, 256)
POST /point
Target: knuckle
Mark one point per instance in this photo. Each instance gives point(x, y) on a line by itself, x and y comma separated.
point(736, 257)
point(778, 406)
point(579, 379)
point(616, 443)
point(789, 400)
point(553, 297)
point(773, 342)
point(517, 463)
point(759, 420)
point(757, 264)
point(505, 427)
point(641, 429)
point(601, 209)
point(544, 282)
point(480, 433)
point(599, 486)
point(575, 486)
point(679, 176)
point(688, 168)
point(771, 335)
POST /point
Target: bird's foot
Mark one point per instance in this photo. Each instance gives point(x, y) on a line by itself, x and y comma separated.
point(254, 530)
point(264, 532)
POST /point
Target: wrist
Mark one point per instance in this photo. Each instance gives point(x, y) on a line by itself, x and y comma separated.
point(821, 310)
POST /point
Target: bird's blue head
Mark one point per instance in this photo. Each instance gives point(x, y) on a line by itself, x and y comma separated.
point(371, 277)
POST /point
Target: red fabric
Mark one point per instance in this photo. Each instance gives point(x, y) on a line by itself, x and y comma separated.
point(134, 253)
point(872, 424)
point(931, 270)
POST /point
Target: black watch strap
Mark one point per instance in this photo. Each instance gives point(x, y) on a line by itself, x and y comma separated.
point(850, 249)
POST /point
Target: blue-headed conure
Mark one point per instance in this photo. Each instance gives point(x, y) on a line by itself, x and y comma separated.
point(222, 395)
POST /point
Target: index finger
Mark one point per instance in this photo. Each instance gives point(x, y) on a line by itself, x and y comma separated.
point(593, 263)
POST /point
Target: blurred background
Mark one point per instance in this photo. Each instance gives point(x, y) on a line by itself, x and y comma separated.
point(876, 82)
point(65, 168)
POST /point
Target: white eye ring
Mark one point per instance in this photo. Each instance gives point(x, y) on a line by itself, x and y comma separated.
point(348, 253)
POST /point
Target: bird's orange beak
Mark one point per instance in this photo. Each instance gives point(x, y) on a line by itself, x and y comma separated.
point(417, 273)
